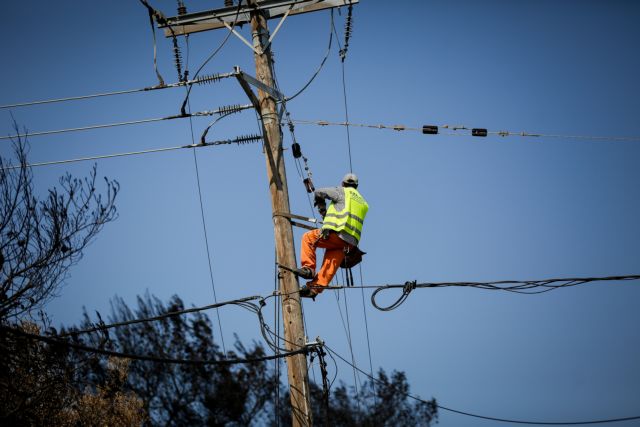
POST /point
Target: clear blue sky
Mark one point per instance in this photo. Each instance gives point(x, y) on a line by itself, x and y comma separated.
point(443, 208)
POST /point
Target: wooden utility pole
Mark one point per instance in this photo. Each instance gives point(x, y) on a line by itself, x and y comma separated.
point(285, 251)
point(256, 12)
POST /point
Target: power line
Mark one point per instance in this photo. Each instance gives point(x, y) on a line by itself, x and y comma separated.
point(103, 327)
point(326, 55)
point(523, 287)
point(220, 111)
point(245, 302)
point(214, 53)
point(204, 225)
point(202, 80)
point(466, 131)
point(343, 55)
point(527, 287)
point(469, 414)
point(148, 358)
point(238, 140)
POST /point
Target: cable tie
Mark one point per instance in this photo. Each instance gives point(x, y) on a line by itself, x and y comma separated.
point(399, 127)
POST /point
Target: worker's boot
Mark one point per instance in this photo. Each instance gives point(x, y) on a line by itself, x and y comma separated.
point(304, 272)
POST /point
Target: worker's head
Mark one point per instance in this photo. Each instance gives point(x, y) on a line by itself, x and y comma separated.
point(350, 180)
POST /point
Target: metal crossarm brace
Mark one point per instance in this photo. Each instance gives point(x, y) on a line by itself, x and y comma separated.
point(245, 79)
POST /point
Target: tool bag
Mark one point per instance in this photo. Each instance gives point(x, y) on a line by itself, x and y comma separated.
point(352, 257)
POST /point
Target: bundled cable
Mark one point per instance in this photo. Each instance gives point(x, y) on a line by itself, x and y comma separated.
point(517, 286)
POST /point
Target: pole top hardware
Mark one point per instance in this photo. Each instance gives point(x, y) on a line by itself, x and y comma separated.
point(216, 18)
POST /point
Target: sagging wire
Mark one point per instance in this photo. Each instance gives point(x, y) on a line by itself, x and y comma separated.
point(347, 331)
point(101, 326)
point(296, 150)
point(223, 112)
point(214, 53)
point(445, 408)
point(522, 287)
point(147, 358)
point(343, 55)
point(366, 325)
point(154, 14)
point(315, 74)
point(181, 11)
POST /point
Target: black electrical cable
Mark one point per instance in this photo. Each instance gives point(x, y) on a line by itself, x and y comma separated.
point(147, 358)
point(344, 95)
point(204, 225)
point(103, 327)
point(214, 53)
point(321, 63)
point(469, 414)
point(522, 287)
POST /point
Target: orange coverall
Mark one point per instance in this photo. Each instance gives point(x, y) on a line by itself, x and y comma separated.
point(333, 255)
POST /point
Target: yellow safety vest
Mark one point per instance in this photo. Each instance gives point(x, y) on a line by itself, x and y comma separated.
point(351, 218)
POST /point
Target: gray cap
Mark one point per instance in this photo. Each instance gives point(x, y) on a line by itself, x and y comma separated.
point(350, 178)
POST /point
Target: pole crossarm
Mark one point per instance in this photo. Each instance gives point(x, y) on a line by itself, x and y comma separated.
point(217, 18)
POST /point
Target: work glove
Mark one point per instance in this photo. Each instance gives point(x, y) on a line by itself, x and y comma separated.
point(319, 201)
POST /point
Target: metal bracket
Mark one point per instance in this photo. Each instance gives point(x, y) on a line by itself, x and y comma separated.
point(291, 217)
point(245, 80)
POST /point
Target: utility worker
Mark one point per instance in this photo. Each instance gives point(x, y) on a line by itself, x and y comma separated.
point(340, 232)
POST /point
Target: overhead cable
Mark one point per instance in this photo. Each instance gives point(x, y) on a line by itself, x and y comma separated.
point(517, 286)
point(326, 55)
point(469, 414)
point(212, 78)
point(222, 110)
point(148, 358)
point(527, 287)
point(241, 140)
point(181, 11)
point(460, 130)
point(513, 286)
point(103, 327)
point(183, 108)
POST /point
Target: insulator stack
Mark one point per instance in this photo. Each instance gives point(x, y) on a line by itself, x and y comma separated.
point(177, 58)
point(212, 78)
point(348, 29)
point(230, 109)
point(247, 139)
point(182, 9)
